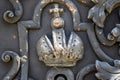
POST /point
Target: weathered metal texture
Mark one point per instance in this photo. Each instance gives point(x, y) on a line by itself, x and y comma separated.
point(54, 46)
point(13, 16)
point(98, 15)
point(6, 57)
point(23, 27)
point(60, 74)
point(59, 54)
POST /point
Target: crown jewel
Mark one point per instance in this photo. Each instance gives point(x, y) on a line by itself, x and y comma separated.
point(58, 53)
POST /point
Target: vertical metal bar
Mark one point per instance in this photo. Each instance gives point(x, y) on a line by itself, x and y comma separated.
point(23, 43)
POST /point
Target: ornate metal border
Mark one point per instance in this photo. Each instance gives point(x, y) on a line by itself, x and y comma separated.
point(108, 69)
point(14, 16)
point(98, 15)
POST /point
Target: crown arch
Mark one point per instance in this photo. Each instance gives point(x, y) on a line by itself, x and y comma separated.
point(69, 4)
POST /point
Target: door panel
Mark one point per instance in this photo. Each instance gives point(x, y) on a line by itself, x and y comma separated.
point(59, 40)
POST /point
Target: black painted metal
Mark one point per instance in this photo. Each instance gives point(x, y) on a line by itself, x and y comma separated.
point(9, 39)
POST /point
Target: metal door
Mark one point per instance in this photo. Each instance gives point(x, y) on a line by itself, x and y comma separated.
point(59, 40)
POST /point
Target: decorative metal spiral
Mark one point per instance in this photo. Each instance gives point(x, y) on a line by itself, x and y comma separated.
point(8, 56)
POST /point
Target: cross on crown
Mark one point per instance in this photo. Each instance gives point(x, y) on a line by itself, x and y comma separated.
point(56, 11)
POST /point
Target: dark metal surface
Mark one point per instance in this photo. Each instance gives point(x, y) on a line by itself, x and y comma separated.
point(96, 27)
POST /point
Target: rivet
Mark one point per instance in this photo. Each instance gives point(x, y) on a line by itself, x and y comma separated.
point(78, 29)
point(37, 15)
point(14, 36)
point(17, 1)
point(20, 50)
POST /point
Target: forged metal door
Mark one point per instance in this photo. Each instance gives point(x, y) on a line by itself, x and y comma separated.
point(59, 40)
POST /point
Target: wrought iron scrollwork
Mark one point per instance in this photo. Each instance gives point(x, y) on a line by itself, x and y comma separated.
point(104, 71)
point(35, 23)
point(89, 28)
point(14, 16)
point(8, 56)
point(86, 70)
point(108, 72)
point(98, 15)
point(59, 54)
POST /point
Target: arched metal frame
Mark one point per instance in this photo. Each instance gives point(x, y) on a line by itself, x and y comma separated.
point(97, 14)
point(23, 27)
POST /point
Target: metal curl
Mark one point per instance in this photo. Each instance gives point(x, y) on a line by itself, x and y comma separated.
point(89, 28)
point(101, 37)
point(100, 11)
point(86, 70)
point(13, 16)
point(98, 14)
point(7, 56)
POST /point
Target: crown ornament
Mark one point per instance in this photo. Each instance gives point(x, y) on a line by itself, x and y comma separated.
point(59, 53)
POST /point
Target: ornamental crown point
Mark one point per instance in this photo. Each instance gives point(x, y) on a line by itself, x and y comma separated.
point(59, 54)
